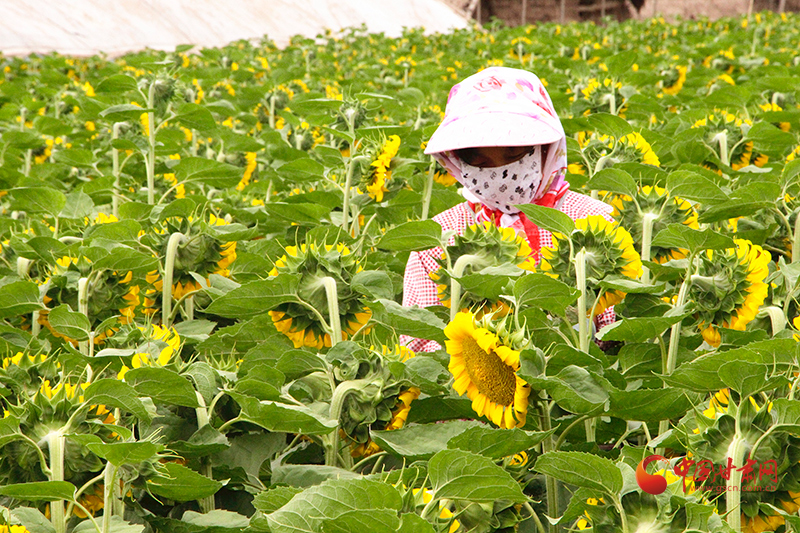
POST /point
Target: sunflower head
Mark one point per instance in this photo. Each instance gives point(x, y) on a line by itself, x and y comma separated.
point(313, 262)
point(729, 288)
point(609, 253)
point(491, 246)
point(380, 172)
point(631, 148)
point(629, 212)
point(486, 370)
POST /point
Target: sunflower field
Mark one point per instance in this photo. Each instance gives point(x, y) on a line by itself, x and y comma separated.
point(201, 270)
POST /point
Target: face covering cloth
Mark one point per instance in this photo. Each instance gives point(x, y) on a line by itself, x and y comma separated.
point(503, 107)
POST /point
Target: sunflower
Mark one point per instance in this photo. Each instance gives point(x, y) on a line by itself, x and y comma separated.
point(670, 210)
point(729, 288)
point(201, 252)
point(631, 148)
point(381, 173)
point(734, 127)
point(491, 246)
point(609, 252)
point(159, 348)
point(485, 369)
point(314, 262)
point(398, 420)
point(674, 80)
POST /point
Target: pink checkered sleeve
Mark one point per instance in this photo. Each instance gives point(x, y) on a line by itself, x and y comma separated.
point(419, 289)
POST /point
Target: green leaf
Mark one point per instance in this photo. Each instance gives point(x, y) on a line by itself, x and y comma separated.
point(24, 140)
point(421, 441)
point(125, 453)
point(33, 520)
point(620, 64)
point(18, 298)
point(273, 499)
point(413, 523)
point(300, 170)
point(412, 236)
point(331, 500)
point(543, 292)
point(256, 297)
point(461, 475)
point(197, 117)
point(374, 283)
point(574, 389)
point(682, 236)
point(78, 205)
point(737, 207)
point(548, 218)
point(295, 364)
point(613, 180)
point(75, 157)
point(606, 123)
point(116, 84)
point(638, 329)
point(308, 475)
point(208, 171)
point(301, 214)
point(414, 321)
point(275, 416)
point(693, 186)
point(182, 484)
point(702, 374)
point(38, 200)
point(582, 470)
point(124, 258)
point(163, 386)
point(67, 322)
point(651, 404)
point(746, 378)
point(373, 520)
point(496, 443)
point(48, 491)
point(768, 138)
point(114, 393)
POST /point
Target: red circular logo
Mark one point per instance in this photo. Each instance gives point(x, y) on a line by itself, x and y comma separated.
point(651, 483)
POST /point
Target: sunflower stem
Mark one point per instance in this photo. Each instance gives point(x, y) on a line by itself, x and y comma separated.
point(115, 170)
point(674, 339)
point(337, 402)
point(550, 482)
point(166, 288)
point(623, 516)
point(647, 238)
point(733, 498)
point(722, 139)
point(55, 445)
point(332, 295)
point(109, 480)
point(348, 183)
point(426, 196)
point(455, 286)
point(83, 308)
point(151, 139)
point(776, 317)
point(796, 241)
point(202, 413)
point(583, 324)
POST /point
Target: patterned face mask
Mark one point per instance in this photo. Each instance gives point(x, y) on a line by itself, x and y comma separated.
point(502, 187)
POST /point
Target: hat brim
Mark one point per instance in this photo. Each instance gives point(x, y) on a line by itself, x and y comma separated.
point(494, 129)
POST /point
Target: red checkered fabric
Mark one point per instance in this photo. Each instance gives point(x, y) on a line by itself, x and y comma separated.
point(419, 289)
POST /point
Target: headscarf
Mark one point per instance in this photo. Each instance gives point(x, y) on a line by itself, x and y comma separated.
point(503, 107)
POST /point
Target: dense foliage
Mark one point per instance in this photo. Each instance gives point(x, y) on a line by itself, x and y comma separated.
point(201, 269)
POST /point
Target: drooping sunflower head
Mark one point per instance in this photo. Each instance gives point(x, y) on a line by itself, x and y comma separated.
point(381, 169)
point(656, 202)
point(734, 128)
point(673, 79)
point(609, 253)
point(313, 262)
point(729, 288)
point(631, 148)
point(490, 246)
point(202, 250)
point(486, 370)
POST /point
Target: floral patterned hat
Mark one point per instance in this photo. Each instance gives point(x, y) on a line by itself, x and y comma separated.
point(498, 106)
